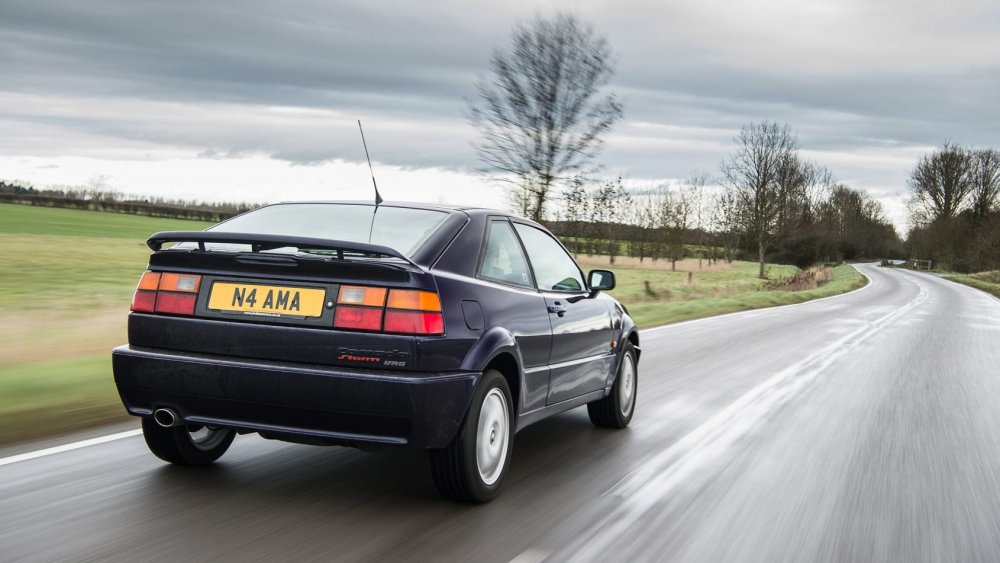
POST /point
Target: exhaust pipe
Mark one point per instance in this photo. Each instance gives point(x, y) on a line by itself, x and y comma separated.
point(166, 418)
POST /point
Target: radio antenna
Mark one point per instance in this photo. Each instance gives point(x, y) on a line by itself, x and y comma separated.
point(378, 198)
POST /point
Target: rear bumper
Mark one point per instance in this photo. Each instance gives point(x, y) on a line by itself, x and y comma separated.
point(336, 405)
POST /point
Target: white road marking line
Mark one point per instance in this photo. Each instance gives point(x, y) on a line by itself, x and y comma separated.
point(69, 447)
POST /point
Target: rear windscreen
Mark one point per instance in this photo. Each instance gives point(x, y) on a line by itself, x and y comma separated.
point(399, 228)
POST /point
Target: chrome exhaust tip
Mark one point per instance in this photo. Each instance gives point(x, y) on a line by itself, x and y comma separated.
point(166, 418)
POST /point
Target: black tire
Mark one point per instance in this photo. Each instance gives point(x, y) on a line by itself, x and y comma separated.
point(610, 412)
point(457, 471)
point(186, 445)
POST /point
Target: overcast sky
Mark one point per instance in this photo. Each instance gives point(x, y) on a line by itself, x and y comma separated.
point(257, 100)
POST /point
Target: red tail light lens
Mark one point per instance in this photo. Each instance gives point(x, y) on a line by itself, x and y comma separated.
point(144, 301)
point(175, 303)
point(363, 318)
point(414, 322)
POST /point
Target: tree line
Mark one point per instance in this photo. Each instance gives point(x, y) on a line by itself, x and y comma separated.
point(771, 205)
point(954, 208)
point(100, 197)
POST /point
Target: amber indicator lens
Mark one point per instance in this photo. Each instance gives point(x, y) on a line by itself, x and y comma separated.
point(414, 300)
point(149, 281)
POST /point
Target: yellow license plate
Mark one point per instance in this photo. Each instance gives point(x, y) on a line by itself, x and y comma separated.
point(267, 299)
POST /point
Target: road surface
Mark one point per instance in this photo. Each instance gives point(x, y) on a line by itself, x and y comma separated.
point(864, 427)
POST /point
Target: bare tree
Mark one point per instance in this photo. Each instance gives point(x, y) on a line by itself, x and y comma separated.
point(607, 214)
point(645, 222)
point(724, 224)
point(675, 211)
point(792, 181)
point(541, 115)
point(694, 187)
point(751, 176)
point(819, 181)
point(576, 213)
point(985, 181)
point(940, 183)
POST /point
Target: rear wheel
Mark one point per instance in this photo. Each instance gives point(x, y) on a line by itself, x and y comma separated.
point(474, 465)
point(615, 410)
point(186, 445)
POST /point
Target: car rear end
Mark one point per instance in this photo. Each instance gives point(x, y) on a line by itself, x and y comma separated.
point(292, 331)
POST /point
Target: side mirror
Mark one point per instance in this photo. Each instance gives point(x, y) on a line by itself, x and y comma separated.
point(601, 280)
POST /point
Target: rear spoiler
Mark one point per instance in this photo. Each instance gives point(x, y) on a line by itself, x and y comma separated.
point(260, 242)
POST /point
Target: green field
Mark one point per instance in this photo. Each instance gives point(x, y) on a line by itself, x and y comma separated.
point(67, 276)
point(66, 279)
point(28, 220)
point(70, 259)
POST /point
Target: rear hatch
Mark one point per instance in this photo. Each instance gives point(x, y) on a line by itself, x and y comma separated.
point(292, 298)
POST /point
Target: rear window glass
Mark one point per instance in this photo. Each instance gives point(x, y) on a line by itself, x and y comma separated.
point(399, 228)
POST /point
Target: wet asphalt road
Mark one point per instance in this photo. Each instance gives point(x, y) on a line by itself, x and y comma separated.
point(864, 427)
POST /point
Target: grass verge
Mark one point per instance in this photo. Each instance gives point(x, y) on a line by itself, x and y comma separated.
point(46, 398)
point(649, 314)
point(986, 281)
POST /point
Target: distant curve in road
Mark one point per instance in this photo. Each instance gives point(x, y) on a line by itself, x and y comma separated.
point(857, 428)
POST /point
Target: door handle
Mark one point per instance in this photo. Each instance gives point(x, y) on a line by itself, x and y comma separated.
point(557, 309)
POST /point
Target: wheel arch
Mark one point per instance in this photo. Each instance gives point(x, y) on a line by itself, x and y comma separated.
point(630, 333)
point(508, 367)
point(497, 349)
point(633, 337)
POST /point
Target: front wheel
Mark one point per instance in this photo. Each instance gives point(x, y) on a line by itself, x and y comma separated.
point(186, 445)
point(615, 410)
point(473, 466)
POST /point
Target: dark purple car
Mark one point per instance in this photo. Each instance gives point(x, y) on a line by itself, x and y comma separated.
point(427, 326)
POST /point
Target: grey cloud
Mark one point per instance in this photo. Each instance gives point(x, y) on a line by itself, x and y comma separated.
point(405, 68)
point(298, 54)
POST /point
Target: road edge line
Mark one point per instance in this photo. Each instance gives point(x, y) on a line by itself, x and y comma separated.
point(69, 447)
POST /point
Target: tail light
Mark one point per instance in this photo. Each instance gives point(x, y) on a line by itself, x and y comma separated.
point(175, 294)
point(401, 311)
point(359, 307)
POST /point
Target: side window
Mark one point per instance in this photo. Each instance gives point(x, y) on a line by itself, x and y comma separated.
point(554, 269)
point(503, 260)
